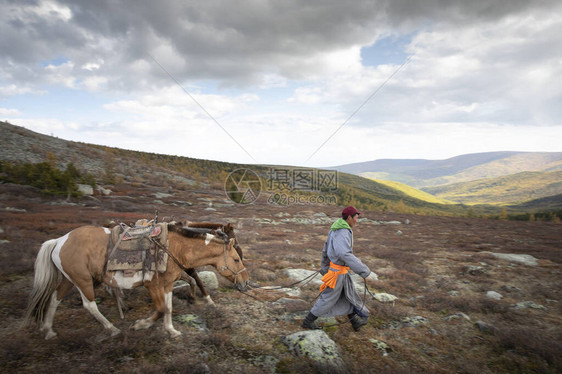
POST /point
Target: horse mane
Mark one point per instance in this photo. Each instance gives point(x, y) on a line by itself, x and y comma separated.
point(197, 232)
point(228, 228)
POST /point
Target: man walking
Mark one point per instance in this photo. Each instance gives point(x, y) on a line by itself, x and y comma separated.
point(338, 295)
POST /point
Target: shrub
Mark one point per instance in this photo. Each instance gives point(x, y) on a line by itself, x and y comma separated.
point(46, 177)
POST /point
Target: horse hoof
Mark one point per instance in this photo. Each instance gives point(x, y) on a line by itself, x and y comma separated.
point(115, 331)
point(141, 325)
point(50, 335)
point(175, 334)
point(209, 301)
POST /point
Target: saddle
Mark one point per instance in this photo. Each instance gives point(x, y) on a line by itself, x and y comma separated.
point(133, 248)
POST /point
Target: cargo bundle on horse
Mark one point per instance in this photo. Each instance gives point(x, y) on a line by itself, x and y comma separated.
point(80, 258)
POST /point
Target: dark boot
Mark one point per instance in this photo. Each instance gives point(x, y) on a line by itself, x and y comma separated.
point(308, 322)
point(356, 321)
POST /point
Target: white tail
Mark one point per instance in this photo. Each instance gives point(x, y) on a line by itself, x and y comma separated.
point(44, 284)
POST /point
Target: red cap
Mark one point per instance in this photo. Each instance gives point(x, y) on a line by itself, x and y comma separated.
point(349, 211)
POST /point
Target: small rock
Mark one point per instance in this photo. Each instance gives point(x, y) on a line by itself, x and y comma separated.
point(103, 191)
point(494, 295)
point(381, 346)
point(85, 189)
point(484, 327)
point(414, 321)
point(457, 316)
point(385, 297)
point(474, 270)
point(399, 233)
point(508, 288)
point(453, 293)
point(528, 305)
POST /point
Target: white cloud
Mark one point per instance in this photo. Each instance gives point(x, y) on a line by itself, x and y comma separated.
point(14, 90)
point(9, 112)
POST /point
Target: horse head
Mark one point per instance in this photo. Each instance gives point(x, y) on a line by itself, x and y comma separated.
point(231, 266)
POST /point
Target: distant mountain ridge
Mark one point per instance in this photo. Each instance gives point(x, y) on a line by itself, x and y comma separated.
point(464, 168)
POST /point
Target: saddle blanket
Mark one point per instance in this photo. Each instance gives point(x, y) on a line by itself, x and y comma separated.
point(135, 250)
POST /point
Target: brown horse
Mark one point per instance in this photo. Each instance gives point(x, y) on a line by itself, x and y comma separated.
point(79, 259)
point(228, 229)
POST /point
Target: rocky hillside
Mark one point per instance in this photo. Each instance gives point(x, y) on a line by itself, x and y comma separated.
point(111, 166)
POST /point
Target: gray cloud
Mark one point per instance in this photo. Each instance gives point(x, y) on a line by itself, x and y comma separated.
point(233, 42)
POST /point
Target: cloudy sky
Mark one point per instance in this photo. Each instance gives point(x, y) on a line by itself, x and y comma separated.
point(293, 82)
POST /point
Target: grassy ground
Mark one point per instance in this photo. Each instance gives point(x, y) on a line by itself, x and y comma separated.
point(434, 265)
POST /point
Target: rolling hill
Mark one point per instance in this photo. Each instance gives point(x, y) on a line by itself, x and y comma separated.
point(113, 165)
point(427, 173)
point(509, 189)
point(414, 192)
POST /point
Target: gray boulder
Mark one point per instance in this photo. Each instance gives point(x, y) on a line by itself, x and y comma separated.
point(511, 257)
point(385, 297)
point(494, 295)
point(209, 279)
point(528, 305)
point(301, 274)
point(85, 189)
point(318, 347)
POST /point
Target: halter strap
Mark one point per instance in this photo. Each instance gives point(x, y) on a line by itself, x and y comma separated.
point(225, 267)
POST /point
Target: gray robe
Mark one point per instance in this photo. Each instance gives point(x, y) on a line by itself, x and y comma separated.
point(343, 299)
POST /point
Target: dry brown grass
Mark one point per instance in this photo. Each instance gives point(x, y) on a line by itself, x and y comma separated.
point(421, 267)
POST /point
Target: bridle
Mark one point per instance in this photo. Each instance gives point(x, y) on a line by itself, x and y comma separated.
point(226, 267)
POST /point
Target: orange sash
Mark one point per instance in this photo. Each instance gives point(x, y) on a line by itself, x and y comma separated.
point(331, 277)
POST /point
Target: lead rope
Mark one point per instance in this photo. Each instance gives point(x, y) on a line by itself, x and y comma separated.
point(307, 278)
